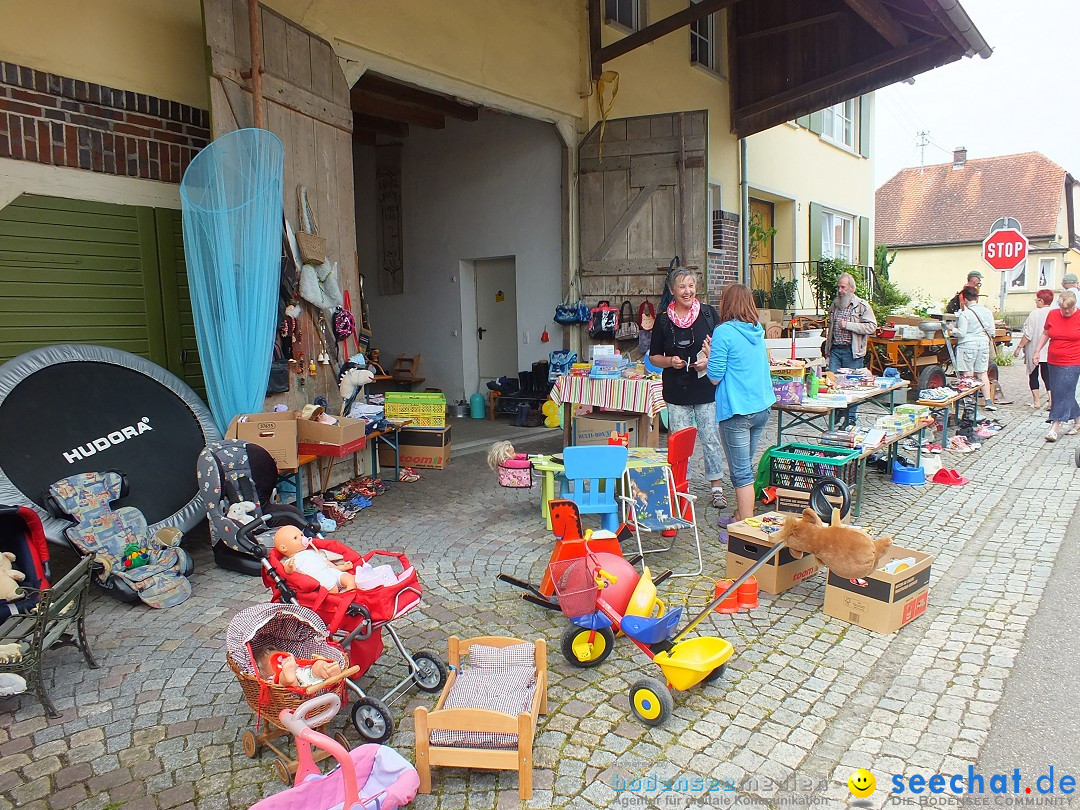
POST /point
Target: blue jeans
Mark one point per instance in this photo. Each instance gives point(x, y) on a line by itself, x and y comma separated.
point(740, 435)
point(841, 357)
point(703, 417)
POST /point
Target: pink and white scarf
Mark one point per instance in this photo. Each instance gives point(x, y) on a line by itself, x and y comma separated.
point(688, 321)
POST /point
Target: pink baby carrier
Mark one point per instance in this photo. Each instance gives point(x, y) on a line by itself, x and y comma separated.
point(516, 472)
point(370, 777)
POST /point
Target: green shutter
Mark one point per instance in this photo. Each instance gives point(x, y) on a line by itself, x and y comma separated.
point(815, 232)
point(803, 121)
point(865, 117)
point(865, 256)
point(817, 122)
point(73, 271)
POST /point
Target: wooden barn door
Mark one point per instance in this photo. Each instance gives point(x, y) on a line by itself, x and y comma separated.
point(642, 196)
point(306, 104)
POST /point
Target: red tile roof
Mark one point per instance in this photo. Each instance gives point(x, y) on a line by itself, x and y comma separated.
point(942, 205)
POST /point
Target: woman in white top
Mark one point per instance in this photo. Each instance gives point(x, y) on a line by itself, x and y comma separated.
point(974, 326)
point(1035, 364)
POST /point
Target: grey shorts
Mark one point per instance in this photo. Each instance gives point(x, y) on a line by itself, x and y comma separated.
point(973, 358)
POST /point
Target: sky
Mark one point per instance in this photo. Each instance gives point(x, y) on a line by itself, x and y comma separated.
point(1024, 98)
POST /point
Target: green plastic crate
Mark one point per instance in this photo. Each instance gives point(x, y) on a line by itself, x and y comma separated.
point(800, 466)
point(425, 410)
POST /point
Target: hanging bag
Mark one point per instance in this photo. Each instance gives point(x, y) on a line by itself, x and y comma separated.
point(279, 372)
point(569, 314)
point(603, 321)
point(312, 246)
point(646, 321)
point(628, 328)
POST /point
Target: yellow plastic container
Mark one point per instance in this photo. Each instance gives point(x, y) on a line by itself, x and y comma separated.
point(690, 661)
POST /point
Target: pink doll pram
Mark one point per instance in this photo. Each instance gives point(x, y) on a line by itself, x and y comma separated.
point(370, 777)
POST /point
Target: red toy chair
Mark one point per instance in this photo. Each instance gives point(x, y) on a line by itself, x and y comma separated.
point(680, 446)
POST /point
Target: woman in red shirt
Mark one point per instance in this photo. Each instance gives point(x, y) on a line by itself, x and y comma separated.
point(1062, 331)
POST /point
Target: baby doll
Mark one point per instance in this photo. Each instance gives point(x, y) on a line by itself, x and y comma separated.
point(283, 668)
point(292, 545)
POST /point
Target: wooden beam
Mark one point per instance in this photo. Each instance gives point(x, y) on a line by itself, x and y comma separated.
point(380, 125)
point(879, 18)
point(791, 26)
point(918, 22)
point(824, 83)
point(396, 111)
point(596, 21)
point(674, 22)
point(255, 38)
point(388, 88)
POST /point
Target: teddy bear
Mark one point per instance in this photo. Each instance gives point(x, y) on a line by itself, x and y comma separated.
point(10, 579)
point(848, 552)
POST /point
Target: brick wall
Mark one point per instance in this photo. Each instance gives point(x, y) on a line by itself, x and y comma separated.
point(56, 120)
point(724, 263)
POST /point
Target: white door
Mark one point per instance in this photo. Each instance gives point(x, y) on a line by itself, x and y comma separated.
point(496, 319)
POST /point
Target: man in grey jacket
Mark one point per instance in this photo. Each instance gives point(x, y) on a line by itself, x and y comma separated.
point(851, 320)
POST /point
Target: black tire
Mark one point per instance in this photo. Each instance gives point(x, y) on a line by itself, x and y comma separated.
point(580, 652)
point(931, 377)
point(372, 720)
point(650, 701)
point(431, 672)
point(715, 675)
point(819, 498)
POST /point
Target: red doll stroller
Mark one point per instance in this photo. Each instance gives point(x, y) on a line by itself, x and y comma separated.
point(356, 620)
point(22, 535)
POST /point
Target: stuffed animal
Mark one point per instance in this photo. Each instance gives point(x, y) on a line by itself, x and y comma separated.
point(351, 378)
point(846, 551)
point(10, 579)
point(241, 512)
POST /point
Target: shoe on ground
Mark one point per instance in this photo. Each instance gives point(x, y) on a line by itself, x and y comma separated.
point(719, 499)
point(1051, 435)
point(989, 407)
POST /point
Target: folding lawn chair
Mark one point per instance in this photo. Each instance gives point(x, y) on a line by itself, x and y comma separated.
point(652, 504)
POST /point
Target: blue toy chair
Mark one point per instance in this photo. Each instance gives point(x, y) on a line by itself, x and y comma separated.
point(652, 504)
point(591, 475)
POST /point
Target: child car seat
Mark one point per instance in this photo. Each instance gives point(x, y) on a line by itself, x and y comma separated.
point(232, 472)
point(158, 577)
point(22, 534)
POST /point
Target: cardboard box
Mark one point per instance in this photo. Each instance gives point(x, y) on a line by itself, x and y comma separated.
point(345, 431)
point(906, 320)
point(276, 432)
point(428, 449)
point(596, 427)
point(887, 601)
point(747, 544)
point(792, 500)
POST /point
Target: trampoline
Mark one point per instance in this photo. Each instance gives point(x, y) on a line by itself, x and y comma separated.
point(74, 408)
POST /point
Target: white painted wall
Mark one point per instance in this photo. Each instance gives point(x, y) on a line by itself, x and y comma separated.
point(474, 190)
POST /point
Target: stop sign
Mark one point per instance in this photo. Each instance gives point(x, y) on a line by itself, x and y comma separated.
point(1005, 249)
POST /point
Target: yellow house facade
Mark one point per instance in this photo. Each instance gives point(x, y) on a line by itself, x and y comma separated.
point(936, 219)
point(499, 184)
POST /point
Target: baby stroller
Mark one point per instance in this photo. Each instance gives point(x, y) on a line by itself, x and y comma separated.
point(355, 622)
point(239, 477)
point(22, 534)
point(288, 628)
point(371, 776)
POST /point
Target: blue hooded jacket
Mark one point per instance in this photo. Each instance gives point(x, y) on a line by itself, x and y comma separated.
point(739, 363)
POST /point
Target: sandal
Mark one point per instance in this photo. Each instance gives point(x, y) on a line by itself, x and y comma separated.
point(719, 499)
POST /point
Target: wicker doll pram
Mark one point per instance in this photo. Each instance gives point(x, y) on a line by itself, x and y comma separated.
point(288, 628)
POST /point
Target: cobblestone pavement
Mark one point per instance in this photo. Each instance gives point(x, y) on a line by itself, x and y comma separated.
point(806, 699)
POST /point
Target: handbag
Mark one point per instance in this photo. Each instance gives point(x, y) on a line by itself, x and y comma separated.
point(279, 372)
point(603, 321)
point(568, 314)
point(312, 246)
point(628, 328)
point(344, 323)
point(646, 322)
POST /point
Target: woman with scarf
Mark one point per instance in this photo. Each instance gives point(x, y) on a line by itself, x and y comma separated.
point(680, 347)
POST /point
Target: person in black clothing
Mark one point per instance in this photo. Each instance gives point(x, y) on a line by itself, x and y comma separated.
point(974, 280)
point(680, 347)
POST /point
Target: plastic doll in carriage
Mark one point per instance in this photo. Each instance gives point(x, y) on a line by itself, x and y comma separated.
point(355, 616)
point(371, 777)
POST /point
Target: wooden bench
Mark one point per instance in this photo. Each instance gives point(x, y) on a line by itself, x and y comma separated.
point(57, 619)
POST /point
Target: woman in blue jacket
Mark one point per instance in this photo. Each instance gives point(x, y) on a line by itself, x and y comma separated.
point(739, 368)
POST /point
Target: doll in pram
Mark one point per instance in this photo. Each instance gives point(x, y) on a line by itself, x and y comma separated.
point(371, 777)
point(355, 619)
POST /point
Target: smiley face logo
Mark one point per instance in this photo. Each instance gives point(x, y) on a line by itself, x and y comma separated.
point(861, 783)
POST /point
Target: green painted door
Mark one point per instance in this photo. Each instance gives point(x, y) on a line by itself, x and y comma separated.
point(73, 271)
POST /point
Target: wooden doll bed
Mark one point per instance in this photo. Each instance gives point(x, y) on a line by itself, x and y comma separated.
point(480, 736)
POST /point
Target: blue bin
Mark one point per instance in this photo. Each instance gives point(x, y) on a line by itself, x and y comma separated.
point(910, 476)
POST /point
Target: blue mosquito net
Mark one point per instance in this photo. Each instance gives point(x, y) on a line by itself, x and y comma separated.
point(232, 202)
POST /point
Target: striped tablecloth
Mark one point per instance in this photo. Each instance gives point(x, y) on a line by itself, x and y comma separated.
point(639, 396)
